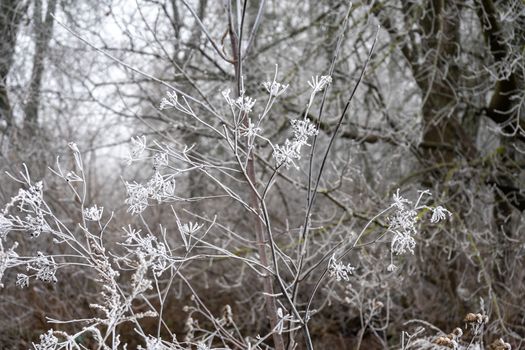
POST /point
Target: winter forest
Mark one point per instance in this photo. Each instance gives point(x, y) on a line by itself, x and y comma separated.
point(262, 174)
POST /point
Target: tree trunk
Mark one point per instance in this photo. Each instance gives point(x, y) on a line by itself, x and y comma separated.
point(43, 31)
point(11, 13)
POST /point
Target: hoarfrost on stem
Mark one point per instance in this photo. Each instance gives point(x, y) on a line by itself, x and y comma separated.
point(339, 270)
point(93, 213)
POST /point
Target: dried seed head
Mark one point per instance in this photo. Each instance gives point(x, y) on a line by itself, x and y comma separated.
point(445, 341)
point(457, 332)
point(378, 305)
point(476, 318)
point(500, 345)
point(227, 315)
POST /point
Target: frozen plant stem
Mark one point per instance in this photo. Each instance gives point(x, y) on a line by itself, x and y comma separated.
point(304, 236)
point(271, 305)
point(311, 196)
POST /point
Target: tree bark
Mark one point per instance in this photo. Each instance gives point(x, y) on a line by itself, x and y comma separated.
point(43, 31)
point(11, 14)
